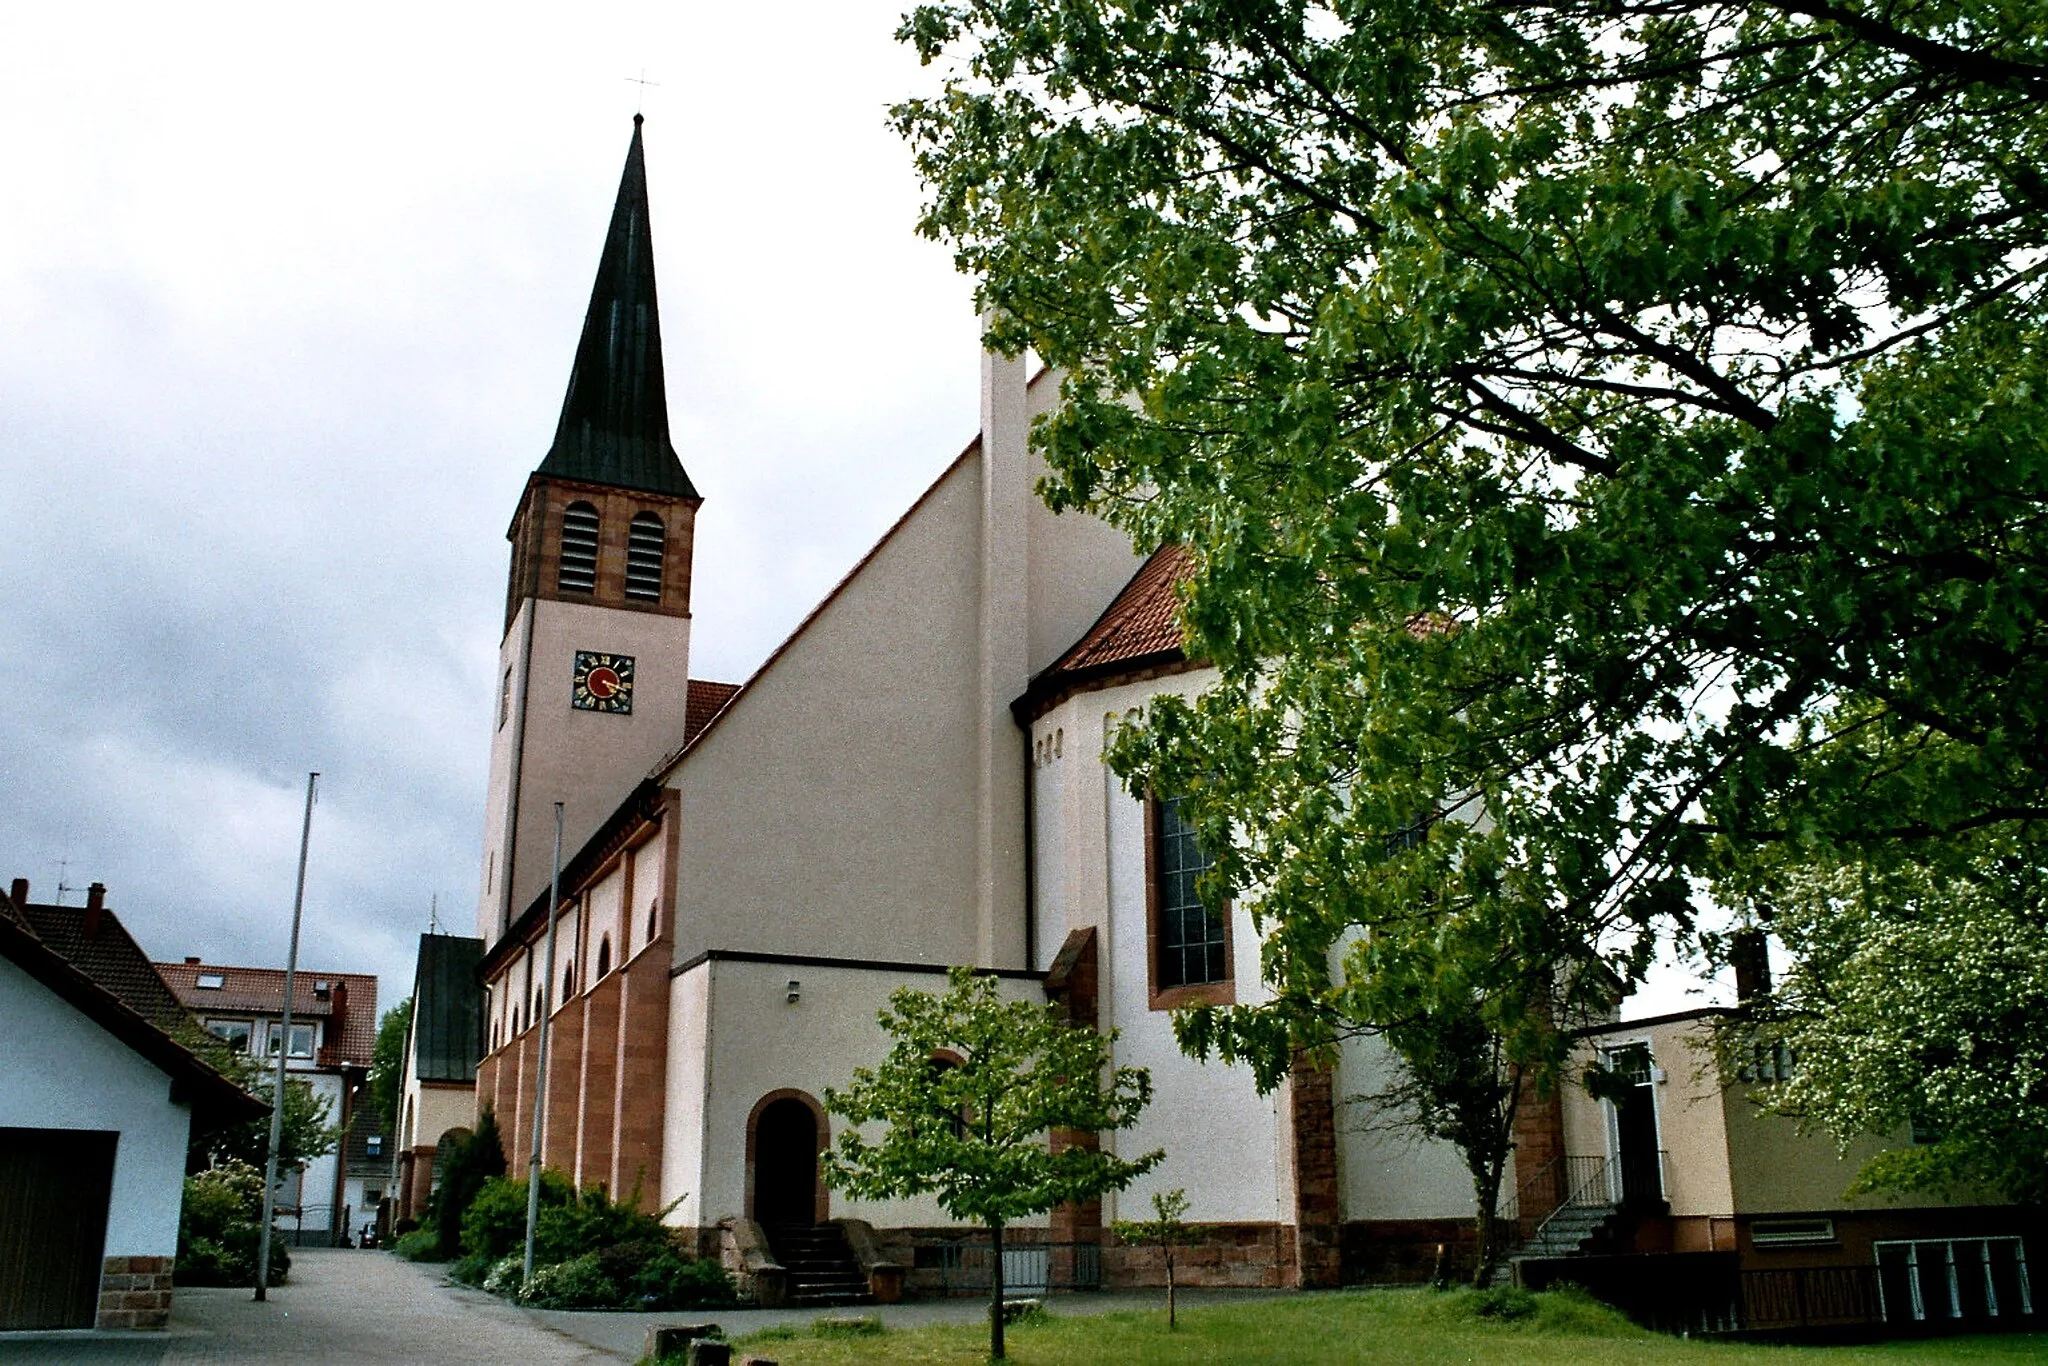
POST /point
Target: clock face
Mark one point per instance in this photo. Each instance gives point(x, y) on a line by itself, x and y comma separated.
point(602, 682)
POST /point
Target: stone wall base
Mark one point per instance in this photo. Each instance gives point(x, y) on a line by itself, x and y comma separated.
point(1408, 1251)
point(1228, 1256)
point(135, 1292)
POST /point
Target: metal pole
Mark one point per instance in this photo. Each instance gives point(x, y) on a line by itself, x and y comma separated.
point(284, 1048)
point(540, 1089)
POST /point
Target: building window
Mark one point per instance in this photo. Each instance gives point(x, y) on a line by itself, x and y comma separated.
point(375, 1145)
point(1189, 942)
point(604, 955)
point(505, 700)
point(1792, 1232)
point(235, 1032)
point(646, 540)
point(579, 549)
point(302, 1039)
point(569, 980)
point(212, 981)
point(653, 909)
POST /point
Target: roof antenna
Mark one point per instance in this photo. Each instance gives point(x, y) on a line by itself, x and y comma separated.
point(62, 885)
point(640, 100)
point(434, 914)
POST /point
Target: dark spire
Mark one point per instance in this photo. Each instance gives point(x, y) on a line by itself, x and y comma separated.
point(614, 427)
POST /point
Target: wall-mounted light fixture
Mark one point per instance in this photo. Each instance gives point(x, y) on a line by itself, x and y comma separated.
point(795, 991)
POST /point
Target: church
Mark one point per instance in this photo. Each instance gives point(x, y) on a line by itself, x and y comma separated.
point(913, 779)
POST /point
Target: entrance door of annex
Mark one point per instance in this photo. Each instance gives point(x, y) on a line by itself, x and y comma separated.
point(786, 1163)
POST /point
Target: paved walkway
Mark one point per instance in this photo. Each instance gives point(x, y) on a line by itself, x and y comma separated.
point(341, 1306)
point(371, 1309)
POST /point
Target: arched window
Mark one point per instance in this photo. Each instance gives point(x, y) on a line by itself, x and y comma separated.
point(646, 540)
point(539, 1006)
point(569, 980)
point(579, 549)
point(653, 907)
point(604, 955)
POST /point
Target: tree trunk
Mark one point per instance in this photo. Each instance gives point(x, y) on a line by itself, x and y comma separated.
point(1170, 1323)
point(1486, 1227)
point(995, 1303)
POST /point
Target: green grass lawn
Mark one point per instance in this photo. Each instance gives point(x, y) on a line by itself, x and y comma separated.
point(1384, 1326)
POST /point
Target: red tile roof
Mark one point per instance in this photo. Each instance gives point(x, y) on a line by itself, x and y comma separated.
point(1138, 634)
point(260, 991)
point(706, 700)
point(1141, 622)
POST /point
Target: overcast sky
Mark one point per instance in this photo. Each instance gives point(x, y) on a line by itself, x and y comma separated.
point(288, 298)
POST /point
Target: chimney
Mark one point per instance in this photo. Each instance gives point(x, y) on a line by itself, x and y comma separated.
point(337, 1018)
point(191, 960)
point(1751, 957)
point(95, 906)
point(18, 894)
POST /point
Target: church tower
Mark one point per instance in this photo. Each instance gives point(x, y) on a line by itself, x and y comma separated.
point(594, 666)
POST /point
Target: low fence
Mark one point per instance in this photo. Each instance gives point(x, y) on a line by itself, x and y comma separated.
point(1706, 1293)
point(1811, 1297)
point(1028, 1268)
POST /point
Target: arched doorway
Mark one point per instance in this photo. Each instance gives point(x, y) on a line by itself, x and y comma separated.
point(784, 1140)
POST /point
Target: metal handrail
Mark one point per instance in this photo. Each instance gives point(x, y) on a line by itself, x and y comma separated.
point(1586, 1175)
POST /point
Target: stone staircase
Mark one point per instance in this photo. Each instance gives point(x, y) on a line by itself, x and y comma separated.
point(821, 1266)
point(1567, 1232)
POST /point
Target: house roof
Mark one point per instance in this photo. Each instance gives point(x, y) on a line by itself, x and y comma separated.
point(614, 424)
point(706, 700)
point(215, 1101)
point(1140, 629)
point(447, 1008)
point(99, 945)
point(260, 991)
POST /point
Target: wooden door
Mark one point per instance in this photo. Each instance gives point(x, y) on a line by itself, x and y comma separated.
point(55, 1185)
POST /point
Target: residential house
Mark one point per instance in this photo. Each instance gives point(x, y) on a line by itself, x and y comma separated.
point(98, 1104)
point(333, 1034)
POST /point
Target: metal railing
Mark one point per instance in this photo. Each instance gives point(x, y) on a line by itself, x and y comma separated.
point(1028, 1268)
point(1561, 1183)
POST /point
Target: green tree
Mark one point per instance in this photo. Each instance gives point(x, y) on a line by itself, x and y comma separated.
point(976, 1135)
point(1916, 1003)
point(1166, 1230)
point(464, 1173)
point(387, 1065)
point(1611, 440)
point(307, 1132)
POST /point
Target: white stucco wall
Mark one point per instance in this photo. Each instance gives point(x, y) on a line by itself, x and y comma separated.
point(830, 811)
point(1390, 1173)
point(1229, 1147)
point(60, 1070)
point(736, 1038)
point(587, 760)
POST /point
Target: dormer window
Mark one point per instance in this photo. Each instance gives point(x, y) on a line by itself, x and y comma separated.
point(579, 549)
point(212, 981)
point(646, 542)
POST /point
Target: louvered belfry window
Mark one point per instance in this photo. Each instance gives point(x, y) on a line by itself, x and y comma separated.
point(579, 549)
point(646, 540)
